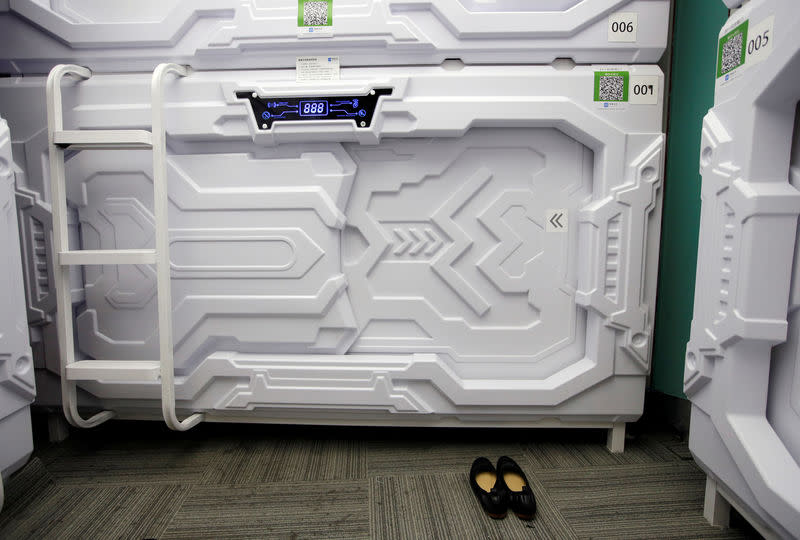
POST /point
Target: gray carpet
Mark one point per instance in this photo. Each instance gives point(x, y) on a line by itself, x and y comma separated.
point(138, 480)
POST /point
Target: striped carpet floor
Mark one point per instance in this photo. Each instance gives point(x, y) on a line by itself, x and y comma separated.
point(138, 480)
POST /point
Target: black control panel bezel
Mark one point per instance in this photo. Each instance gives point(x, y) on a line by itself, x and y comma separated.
point(359, 108)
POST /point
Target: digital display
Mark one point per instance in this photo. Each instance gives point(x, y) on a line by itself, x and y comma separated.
point(313, 108)
point(268, 110)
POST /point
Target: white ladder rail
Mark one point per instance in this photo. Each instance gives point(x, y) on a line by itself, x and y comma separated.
point(69, 398)
point(121, 371)
point(161, 207)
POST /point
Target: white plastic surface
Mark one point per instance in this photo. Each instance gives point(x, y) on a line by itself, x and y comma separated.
point(114, 370)
point(401, 273)
point(256, 34)
point(107, 256)
point(743, 364)
point(88, 140)
point(16, 362)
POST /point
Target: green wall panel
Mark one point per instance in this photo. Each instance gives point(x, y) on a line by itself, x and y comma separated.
point(695, 30)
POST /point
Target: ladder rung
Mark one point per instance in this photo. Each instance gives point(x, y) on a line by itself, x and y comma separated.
point(114, 370)
point(104, 139)
point(107, 256)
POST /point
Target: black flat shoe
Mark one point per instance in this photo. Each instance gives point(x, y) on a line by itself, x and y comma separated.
point(520, 496)
point(488, 488)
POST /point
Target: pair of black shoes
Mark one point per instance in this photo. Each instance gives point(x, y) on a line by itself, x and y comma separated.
point(501, 488)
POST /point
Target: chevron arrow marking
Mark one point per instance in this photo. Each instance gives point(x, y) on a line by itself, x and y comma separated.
point(405, 241)
point(421, 242)
point(436, 242)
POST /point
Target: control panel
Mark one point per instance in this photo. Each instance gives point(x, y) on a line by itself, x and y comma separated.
point(360, 109)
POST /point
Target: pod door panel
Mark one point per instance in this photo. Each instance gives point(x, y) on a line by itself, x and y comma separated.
point(17, 388)
point(481, 243)
point(742, 361)
point(237, 34)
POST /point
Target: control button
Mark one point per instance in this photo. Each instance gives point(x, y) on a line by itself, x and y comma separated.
point(265, 115)
point(355, 103)
point(362, 112)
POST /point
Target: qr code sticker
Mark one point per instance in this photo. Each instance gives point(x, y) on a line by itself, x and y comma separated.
point(612, 88)
point(732, 53)
point(315, 14)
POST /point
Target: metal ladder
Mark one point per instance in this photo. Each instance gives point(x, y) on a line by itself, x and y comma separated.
point(59, 140)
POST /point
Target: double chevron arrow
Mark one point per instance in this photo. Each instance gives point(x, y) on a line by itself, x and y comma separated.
point(414, 242)
point(555, 220)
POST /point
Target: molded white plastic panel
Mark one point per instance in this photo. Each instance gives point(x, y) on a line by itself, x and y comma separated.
point(248, 34)
point(16, 362)
point(399, 273)
point(742, 362)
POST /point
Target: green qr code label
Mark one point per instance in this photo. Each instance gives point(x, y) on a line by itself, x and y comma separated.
point(731, 50)
point(315, 13)
point(611, 85)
